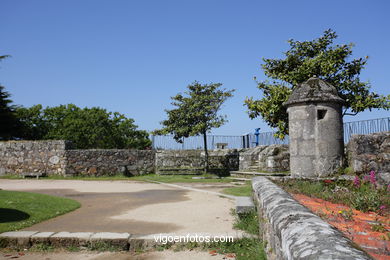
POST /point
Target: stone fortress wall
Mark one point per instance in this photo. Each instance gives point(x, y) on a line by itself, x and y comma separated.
point(370, 152)
point(364, 153)
point(56, 157)
point(221, 161)
point(46, 157)
point(96, 162)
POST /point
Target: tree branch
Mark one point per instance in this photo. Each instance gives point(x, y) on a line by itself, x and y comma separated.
point(349, 114)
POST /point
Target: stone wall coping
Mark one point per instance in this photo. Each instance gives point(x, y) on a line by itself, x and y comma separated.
point(300, 233)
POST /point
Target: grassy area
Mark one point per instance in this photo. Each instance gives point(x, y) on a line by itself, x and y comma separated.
point(23, 209)
point(146, 177)
point(248, 248)
point(363, 196)
point(248, 222)
point(242, 190)
point(244, 248)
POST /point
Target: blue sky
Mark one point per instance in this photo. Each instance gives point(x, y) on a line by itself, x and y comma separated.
point(132, 56)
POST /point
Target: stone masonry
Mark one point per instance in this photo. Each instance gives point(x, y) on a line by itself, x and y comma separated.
point(272, 158)
point(315, 129)
point(97, 162)
point(193, 161)
point(294, 232)
point(45, 157)
point(365, 153)
point(370, 152)
point(57, 158)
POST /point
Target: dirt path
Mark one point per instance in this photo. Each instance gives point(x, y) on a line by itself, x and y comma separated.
point(133, 207)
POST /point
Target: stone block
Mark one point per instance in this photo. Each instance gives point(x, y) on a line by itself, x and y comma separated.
point(16, 239)
point(117, 240)
point(67, 239)
point(142, 242)
point(41, 238)
point(244, 205)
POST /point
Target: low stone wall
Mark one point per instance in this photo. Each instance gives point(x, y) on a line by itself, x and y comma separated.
point(57, 158)
point(370, 152)
point(365, 153)
point(249, 157)
point(272, 158)
point(294, 232)
point(193, 161)
point(44, 157)
point(98, 162)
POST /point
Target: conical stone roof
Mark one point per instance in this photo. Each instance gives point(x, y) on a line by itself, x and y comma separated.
point(314, 90)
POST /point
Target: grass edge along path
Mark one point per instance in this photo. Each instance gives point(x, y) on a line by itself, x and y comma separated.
point(120, 177)
point(19, 210)
point(241, 190)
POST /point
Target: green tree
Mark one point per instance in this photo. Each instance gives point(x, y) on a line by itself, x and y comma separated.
point(319, 57)
point(85, 127)
point(8, 122)
point(196, 113)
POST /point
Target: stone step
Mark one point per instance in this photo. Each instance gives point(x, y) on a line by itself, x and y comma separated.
point(250, 174)
point(244, 205)
point(238, 178)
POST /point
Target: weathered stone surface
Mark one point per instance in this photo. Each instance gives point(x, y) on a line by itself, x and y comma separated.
point(272, 158)
point(41, 237)
point(250, 157)
point(314, 90)
point(119, 240)
point(244, 205)
point(315, 129)
point(383, 177)
point(97, 162)
point(142, 242)
point(370, 152)
point(293, 232)
point(45, 157)
point(16, 239)
point(66, 239)
point(31, 158)
point(193, 161)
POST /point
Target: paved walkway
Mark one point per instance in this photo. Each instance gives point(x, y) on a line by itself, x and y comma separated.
point(133, 207)
point(164, 255)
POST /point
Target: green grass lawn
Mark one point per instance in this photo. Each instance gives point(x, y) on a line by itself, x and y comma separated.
point(146, 177)
point(23, 209)
point(242, 190)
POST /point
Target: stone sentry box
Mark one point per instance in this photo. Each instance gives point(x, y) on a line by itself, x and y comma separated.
point(315, 129)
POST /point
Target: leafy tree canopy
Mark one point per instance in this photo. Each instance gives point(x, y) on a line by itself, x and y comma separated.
point(8, 121)
point(85, 127)
point(319, 57)
point(196, 112)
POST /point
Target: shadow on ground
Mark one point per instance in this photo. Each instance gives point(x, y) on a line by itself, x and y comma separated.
point(11, 215)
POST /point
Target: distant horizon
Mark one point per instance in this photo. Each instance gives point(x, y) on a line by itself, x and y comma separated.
point(132, 56)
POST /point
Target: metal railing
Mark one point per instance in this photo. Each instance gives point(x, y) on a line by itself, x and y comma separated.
point(366, 127)
point(166, 142)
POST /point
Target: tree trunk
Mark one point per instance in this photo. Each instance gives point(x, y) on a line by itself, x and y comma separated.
point(206, 153)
